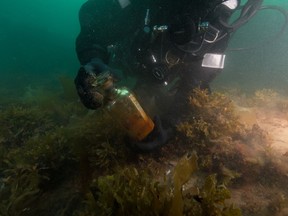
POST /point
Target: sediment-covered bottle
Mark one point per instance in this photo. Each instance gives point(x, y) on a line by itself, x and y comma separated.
point(125, 109)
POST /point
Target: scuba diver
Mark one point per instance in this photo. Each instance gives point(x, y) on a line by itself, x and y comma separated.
point(169, 47)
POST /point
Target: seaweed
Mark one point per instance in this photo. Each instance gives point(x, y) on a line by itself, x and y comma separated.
point(128, 192)
point(103, 156)
point(131, 191)
point(45, 158)
point(19, 187)
point(58, 145)
point(213, 199)
point(60, 104)
point(183, 171)
point(212, 117)
point(50, 151)
point(19, 123)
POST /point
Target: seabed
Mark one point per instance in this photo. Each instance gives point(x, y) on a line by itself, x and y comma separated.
point(228, 158)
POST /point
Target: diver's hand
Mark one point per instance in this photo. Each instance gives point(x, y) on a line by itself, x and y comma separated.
point(92, 81)
point(96, 66)
point(157, 138)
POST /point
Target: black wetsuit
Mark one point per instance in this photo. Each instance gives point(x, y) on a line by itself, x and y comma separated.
point(105, 25)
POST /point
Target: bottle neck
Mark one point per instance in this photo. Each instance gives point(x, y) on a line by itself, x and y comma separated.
point(114, 93)
point(110, 96)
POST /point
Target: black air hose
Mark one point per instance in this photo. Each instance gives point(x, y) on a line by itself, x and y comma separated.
point(276, 36)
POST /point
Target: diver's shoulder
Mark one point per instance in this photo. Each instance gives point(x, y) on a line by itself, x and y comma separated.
point(91, 6)
point(98, 4)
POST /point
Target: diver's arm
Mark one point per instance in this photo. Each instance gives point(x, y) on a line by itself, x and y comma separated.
point(91, 43)
point(91, 50)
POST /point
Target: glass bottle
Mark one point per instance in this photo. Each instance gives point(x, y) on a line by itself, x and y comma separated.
point(123, 106)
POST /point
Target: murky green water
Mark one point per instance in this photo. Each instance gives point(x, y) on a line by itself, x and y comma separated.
point(55, 158)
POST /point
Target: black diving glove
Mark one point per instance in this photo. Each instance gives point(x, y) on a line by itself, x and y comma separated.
point(92, 81)
point(157, 138)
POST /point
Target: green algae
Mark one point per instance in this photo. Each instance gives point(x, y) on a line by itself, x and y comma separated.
point(213, 117)
point(66, 145)
point(136, 192)
point(182, 173)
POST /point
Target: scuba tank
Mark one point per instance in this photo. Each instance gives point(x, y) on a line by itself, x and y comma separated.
point(123, 106)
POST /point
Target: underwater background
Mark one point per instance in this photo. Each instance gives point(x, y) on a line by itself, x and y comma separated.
point(37, 44)
point(55, 159)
